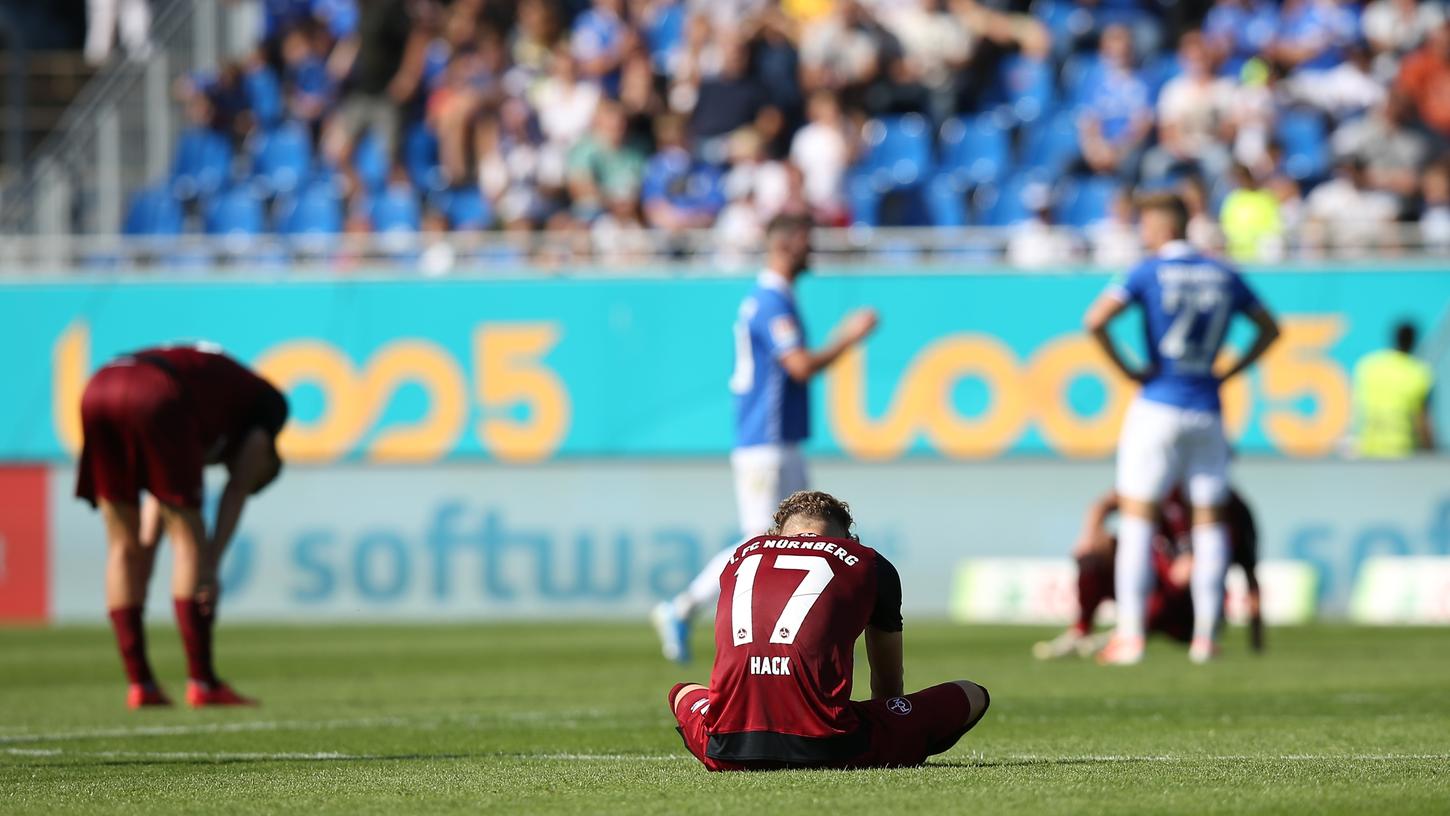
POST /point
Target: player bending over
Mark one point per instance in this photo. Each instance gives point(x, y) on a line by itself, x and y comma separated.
point(154, 420)
point(1170, 606)
point(792, 604)
point(1173, 432)
point(773, 367)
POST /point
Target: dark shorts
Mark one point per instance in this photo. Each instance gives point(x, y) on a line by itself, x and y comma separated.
point(904, 730)
point(138, 434)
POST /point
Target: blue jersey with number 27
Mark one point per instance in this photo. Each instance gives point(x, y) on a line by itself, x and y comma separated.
point(1188, 300)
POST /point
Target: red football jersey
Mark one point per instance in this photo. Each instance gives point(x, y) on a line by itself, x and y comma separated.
point(225, 397)
point(789, 613)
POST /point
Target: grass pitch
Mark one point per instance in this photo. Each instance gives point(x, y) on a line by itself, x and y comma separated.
point(570, 718)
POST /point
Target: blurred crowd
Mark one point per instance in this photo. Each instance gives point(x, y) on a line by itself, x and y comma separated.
point(611, 119)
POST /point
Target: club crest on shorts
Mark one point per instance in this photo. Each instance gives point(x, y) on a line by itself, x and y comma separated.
point(899, 705)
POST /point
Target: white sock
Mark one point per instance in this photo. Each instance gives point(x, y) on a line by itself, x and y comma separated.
point(1133, 574)
point(1210, 565)
point(705, 587)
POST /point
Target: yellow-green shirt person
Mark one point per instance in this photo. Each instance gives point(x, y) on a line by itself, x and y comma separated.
point(1392, 400)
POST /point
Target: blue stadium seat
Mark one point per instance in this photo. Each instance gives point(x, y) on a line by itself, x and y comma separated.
point(1157, 72)
point(315, 210)
point(264, 96)
point(974, 150)
point(864, 199)
point(1306, 144)
point(203, 163)
point(1003, 206)
point(465, 208)
point(898, 152)
point(370, 162)
point(1051, 145)
point(154, 211)
point(1079, 74)
point(1086, 201)
point(420, 158)
point(235, 212)
point(282, 158)
point(946, 202)
point(1026, 88)
point(396, 210)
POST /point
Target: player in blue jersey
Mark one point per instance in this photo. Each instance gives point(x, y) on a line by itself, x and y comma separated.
point(1173, 431)
point(772, 409)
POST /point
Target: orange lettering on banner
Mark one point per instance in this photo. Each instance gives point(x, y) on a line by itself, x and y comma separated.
point(1036, 392)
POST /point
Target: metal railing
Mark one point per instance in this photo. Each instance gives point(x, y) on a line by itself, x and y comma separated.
point(650, 252)
point(119, 132)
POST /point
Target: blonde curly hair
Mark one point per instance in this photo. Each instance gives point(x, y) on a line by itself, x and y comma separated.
point(813, 504)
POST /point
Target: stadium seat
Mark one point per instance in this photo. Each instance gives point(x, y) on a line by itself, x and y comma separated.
point(1079, 73)
point(946, 202)
point(235, 212)
point(1049, 146)
point(898, 152)
point(1003, 206)
point(154, 211)
point(1306, 144)
point(1026, 88)
point(264, 96)
point(282, 158)
point(1083, 202)
point(465, 208)
point(314, 210)
point(420, 158)
point(974, 151)
point(396, 210)
point(203, 164)
point(370, 162)
point(1157, 72)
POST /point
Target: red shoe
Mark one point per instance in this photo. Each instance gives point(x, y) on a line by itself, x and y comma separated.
point(202, 695)
point(143, 695)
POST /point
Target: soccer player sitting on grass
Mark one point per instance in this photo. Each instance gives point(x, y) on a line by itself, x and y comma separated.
point(1170, 606)
point(792, 604)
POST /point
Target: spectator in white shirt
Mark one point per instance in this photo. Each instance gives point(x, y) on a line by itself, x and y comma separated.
point(822, 152)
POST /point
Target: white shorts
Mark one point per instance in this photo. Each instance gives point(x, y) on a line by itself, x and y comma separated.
point(1161, 446)
point(764, 476)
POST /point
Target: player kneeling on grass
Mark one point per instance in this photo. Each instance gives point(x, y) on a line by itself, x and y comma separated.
point(154, 420)
point(792, 604)
point(1170, 605)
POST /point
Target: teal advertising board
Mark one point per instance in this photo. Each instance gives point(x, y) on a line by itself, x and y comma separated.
point(969, 366)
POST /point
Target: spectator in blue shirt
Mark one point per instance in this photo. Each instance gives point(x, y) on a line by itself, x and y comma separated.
point(1238, 30)
point(679, 192)
point(1115, 115)
point(1313, 34)
point(600, 40)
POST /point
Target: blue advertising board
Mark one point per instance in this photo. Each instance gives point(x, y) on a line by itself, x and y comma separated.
point(963, 367)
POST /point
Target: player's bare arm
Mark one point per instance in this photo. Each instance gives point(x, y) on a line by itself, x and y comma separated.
point(1268, 333)
point(252, 467)
point(1099, 316)
point(1094, 535)
point(803, 364)
point(884, 655)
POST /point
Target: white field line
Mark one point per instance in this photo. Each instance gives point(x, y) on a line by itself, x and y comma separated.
point(583, 757)
point(210, 755)
point(1061, 758)
point(565, 718)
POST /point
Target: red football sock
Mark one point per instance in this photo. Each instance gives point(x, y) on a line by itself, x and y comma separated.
point(195, 626)
point(131, 638)
point(1094, 585)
